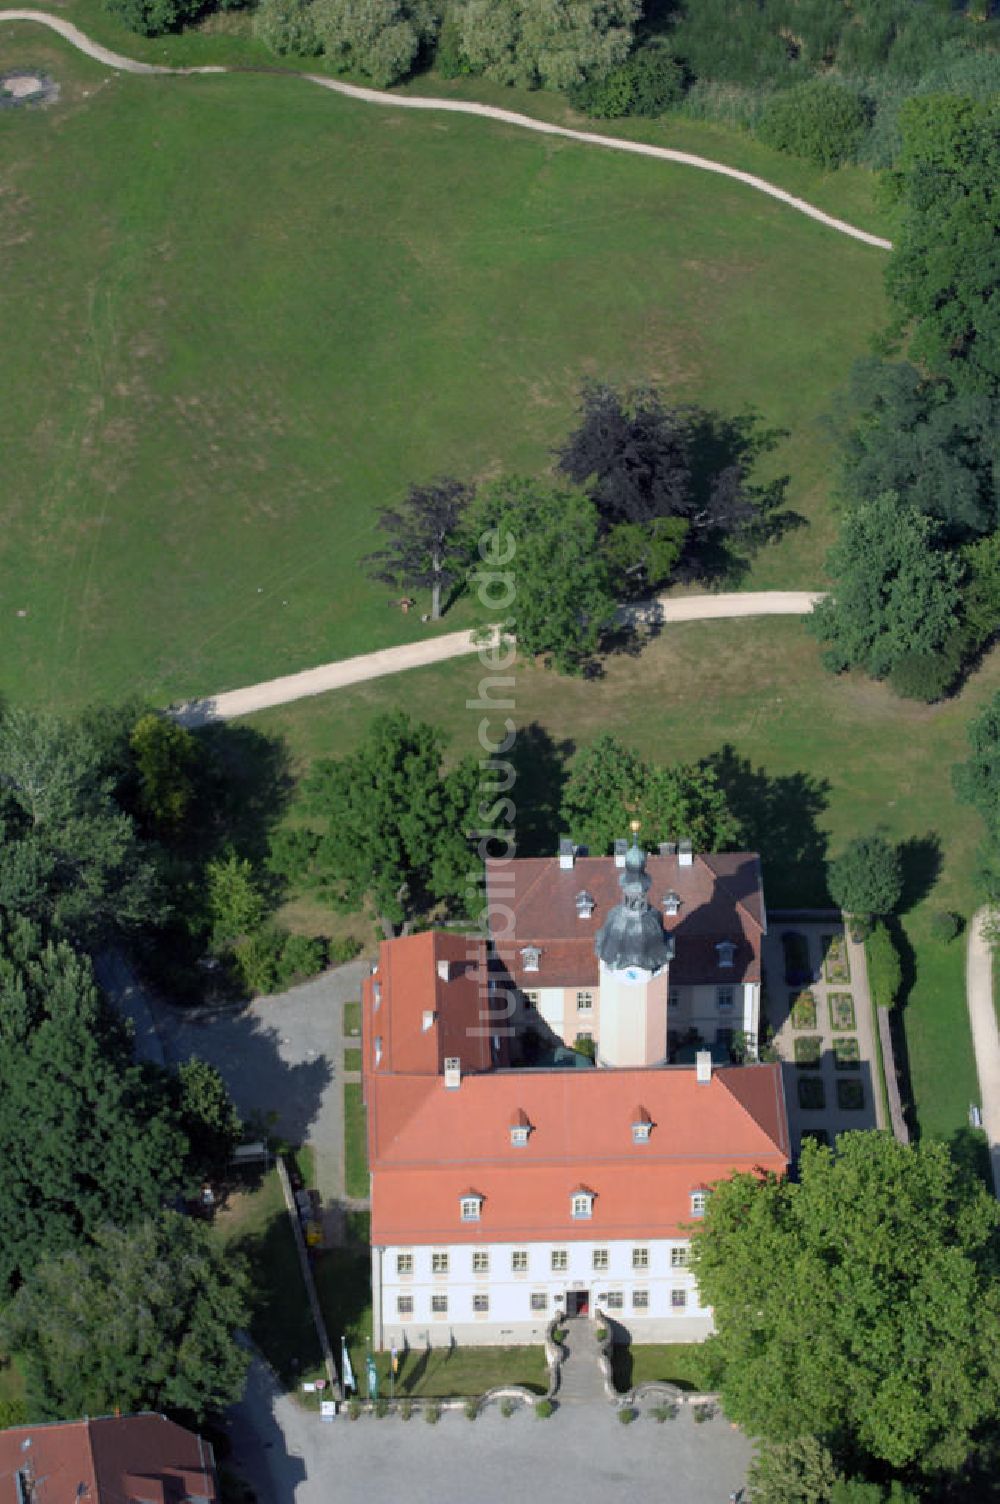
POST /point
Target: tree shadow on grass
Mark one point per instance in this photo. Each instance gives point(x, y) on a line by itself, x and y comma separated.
point(897, 1031)
point(778, 815)
point(540, 764)
point(920, 866)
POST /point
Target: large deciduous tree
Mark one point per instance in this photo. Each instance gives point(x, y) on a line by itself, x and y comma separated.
point(559, 600)
point(390, 825)
point(895, 592)
point(555, 43)
point(426, 549)
point(70, 856)
point(144, 1318)
point(609, 786)
point(944, 270)
point(866, 880)
point(380, 38)
point(85, 1135)
point(862, 1296)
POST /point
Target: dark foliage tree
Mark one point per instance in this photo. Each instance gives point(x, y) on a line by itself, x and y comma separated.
point(609, 786)
point(427, 548)
point(976, 782)
point(559, 602)
point(818, 1285)
point(141, 1318)
point(389, 824)
point(820, 120)
point(165, 755)
point(632, 452)
point(85, 1134)
point(207, 1116)
point(866, 879)
point(71, 857)
point(895, 591)
point(938, 449)
point(945, 266)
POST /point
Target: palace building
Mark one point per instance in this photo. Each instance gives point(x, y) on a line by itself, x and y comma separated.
point(549, 1105)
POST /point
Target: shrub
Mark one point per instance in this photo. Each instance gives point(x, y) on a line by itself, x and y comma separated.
point(471, 1409)
point(702, 1413)
point(651, 82)
point(661, 1413)
point(286, 26)
point(449, 59)
point(339, 952)
point(944, 925)
point(507, 1408)
point(301, 957)
point(821, 121)
point(12, 1413)
point(432, 1414)
point(354, 1408)
point(272, 959)
point(151, 18)
point(626, 1415)
point(885, 973)
point(927, 676)
point(543, 1409)
point(381, 1407)
point(808, 1049)
point(381, 38)
point(405, 1409)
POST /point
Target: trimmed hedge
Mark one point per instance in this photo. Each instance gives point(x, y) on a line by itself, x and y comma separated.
point(885, 973)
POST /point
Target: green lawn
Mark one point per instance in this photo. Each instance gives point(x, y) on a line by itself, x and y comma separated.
point(355, 1144)
point(841, 755)
point(262, 310)
point(679, 1363)
point(255, 1224)
point(352, 1059)
point(352, 1018)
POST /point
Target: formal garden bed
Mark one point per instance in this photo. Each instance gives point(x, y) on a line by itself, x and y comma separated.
point(355, 1141)
point(808, 1051)
point(352, 1058)
point(798, 967)
point(835, 963)
point(850, 1095)
point(841, 1006)
point(812, 1093)
point(802, 1008)
point(846, 1055)
point(352, 1020)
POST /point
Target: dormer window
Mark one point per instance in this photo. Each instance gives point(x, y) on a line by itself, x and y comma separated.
point(471, 1206)
point(520, 1129)
point(584, 905)
point(725, 950)
point(581, 1204)
point(377, 995)
point(642, 1125)
point(378, 1049)
point(530, 956)
point(698, 1200)
point(671, 902)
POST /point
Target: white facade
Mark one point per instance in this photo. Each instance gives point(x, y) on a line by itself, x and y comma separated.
point(710, 1009)
point(507, 1293)
point(633, 1016)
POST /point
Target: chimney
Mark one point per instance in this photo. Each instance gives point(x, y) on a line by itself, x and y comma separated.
point(452, 1072)
point(685, 855)
point(567, 854)
point(620, 849)
point(428, 1019)
point(702, 1066)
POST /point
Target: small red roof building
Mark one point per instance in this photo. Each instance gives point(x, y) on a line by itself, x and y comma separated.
point(128, 1459)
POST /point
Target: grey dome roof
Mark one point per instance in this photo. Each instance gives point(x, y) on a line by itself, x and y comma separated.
point(633, 934)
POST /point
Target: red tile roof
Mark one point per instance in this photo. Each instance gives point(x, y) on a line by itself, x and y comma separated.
point(114, 1460)
point(408, 971)
point(426, 1141)
point(721, 899)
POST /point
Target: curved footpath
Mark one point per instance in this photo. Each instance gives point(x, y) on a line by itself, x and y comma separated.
point(80, 40)
point(985, 1034)
point(346, 671)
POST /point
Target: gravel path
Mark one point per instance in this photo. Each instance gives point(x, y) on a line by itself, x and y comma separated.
point(346, 671)
point(80, 40)
point(985, 1035)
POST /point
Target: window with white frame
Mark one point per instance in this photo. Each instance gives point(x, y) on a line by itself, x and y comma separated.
point(530, 956)
point(671, 902)
point(560, 1260)
point(480, 1261)
point(581, 1204)
point(640, 1132)
point(724, 999)
point(404, 1305)
point(678, 1300)
point(600, 1259)
point(519, 1261)
point(539, 1300)
point(471, 1207)
point(725, 950)
point(640, 1258)
point(378, 1049)
point(439, 1305)
point(376, 996)
point(481, 1304)
point(585, 1002)
point(640, 1300)
point(698, 1199)
point(678, 1258)
point(614, 1300)
point(519, 1135)
point(439, 1263)
point(404, 1263)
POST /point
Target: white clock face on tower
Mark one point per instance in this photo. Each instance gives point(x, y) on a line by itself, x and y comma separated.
point(632, 975)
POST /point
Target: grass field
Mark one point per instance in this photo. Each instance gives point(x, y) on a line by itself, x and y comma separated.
point(355, 1149)
point(679, 1363)
point(253, 312)
point(840, 756)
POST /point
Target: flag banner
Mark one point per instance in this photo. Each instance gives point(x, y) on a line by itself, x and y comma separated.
point(372, 1379)
point(395, 1361)
point(346, 1369)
